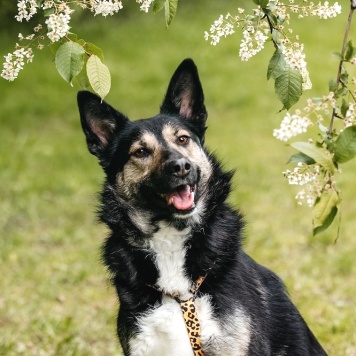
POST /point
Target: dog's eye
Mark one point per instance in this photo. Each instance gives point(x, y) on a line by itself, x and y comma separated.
point(183, 140)
point(140, 153)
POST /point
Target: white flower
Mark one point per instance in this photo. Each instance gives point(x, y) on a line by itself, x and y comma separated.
point(47, 5)
point(106, 7)
point(295, 57)
point(252, 43)
point(308, 194)
point(307, 176)
point(14, 62)
point(307, 84)
point(26, 9)
point(350, 116)
point(58, 24)
point(292, 125)
point(144, 4)
point(220, 28)
point(302, 174)
point(326, 11)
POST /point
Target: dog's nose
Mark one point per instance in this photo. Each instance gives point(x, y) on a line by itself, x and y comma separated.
point(178, 167)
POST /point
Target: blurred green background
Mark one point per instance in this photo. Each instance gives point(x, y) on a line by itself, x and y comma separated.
point(54, 295)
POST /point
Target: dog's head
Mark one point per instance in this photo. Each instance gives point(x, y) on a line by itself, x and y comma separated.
point(159, 164)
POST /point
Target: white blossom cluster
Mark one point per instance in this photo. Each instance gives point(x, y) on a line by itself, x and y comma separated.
point(292, 125)
point(256, 28)
point(26, 9)
point(350, 117)
point(295, 57)
point(58, 23)
point(324, 11)
point(57, 26)
point(302, 174)
point(252, 43)
point(309, 8)
point(144, 4)
point(297, 123)
point(220, 28)
point(313, 180)
point(307, 176)
point(254, 33)
point(14, 62)
point(308, 194)
point(106, 7)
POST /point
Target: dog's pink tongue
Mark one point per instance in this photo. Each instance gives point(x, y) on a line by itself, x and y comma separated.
point(182, 198)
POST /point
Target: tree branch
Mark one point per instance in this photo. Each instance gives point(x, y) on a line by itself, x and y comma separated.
point(344, 44)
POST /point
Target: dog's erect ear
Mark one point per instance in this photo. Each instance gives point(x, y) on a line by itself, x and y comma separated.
point(185, 95)
point(100, 122)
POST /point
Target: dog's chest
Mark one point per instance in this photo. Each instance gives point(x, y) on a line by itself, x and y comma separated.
point(162, 330)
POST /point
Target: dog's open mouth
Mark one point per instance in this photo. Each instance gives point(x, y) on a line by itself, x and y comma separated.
point(182, 198)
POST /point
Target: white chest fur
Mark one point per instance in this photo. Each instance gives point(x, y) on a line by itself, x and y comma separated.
point(162, 330)
point(168, 248)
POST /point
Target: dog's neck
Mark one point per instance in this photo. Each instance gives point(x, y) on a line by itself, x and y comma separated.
point(168, 248)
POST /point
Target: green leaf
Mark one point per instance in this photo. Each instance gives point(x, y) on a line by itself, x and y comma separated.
point(277, 36)
point(301, 157)
point(327, 222)
point(288, 87)
point(350, 50)
point(49, 12)
point(82, 77)
point(69, 60)
point(323, 128)
point(54, 46)
point(344, 77)
point(274, 20)
point(333, 85)
point(93, 49)
point(345, 145)
point(344, 107)
point(277, 65)
point(99, 76)
point(158, 5)
point(170, 10)
point(338, 55)
point(72, 36)
point(325, 210)
point(343, 91)
point(318, 154)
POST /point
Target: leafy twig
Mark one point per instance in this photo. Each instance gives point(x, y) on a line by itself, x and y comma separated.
point(343, 50)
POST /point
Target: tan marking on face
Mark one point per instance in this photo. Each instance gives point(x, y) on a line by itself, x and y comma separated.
point(192, 150)
point(137, 169)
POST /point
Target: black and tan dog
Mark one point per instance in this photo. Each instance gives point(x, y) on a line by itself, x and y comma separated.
point(185, 285)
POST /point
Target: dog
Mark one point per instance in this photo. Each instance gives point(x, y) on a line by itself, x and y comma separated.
point(174, 253)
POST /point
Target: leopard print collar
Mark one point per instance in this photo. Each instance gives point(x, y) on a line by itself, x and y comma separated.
point(190, 316)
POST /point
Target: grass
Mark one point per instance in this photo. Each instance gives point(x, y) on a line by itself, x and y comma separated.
point(55, 297)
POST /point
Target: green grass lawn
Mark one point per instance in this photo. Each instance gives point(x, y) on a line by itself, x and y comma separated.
point(55, 298)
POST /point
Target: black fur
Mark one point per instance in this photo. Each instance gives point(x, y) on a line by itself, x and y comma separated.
point(215, 241)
